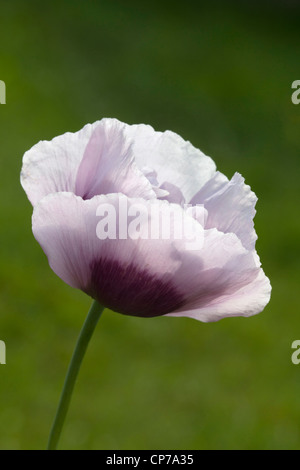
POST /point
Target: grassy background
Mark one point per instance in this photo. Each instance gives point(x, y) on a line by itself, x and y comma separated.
point(220, 75)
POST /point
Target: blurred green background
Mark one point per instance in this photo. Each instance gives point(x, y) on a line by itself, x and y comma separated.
point(220, 75)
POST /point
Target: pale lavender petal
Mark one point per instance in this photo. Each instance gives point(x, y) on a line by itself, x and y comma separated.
point(174, 193)
point(97, 159)
point(108, 165)
point(166, 191)
point(230, 206)
point(212, 187)
point(51, 166)
point(175, 160)
point(249, 300)
point(222, 279)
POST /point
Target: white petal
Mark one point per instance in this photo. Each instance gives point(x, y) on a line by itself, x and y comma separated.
point(51, 166)
point(98, 158)
point(222, 279)
point(230, 206)
point(108, 165)
point(175, 160)
point(249, 300)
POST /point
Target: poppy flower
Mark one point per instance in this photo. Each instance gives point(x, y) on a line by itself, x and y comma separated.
point(76, 176)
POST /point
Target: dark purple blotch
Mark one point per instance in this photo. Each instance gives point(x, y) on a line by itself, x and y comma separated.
point(132, 291)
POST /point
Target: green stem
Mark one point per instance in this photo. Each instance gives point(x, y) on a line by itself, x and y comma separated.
point(78, 354)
